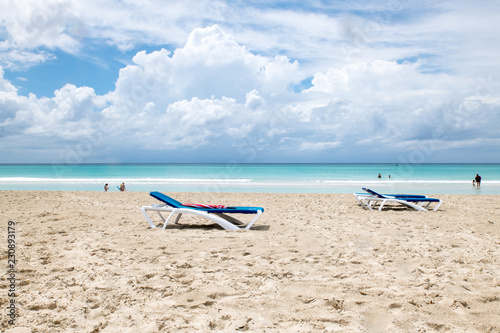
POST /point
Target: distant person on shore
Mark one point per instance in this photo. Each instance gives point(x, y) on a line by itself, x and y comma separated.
point(379, 176)
point(389, 176)
point(106, 187)
point(478, 180)
point(122, 187)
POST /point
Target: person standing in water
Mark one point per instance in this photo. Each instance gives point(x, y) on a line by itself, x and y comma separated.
point(478, 180)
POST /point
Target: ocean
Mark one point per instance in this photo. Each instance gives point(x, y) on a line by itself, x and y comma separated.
point(257, 178)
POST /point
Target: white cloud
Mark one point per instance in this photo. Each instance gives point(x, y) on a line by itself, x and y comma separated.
point(19, 60)
point(319, 34)
point(253, 100)
point(211, 90)
point(211, 64)
point(318, 146)
point(34, 23)
point(6, 88)
point(220, 90)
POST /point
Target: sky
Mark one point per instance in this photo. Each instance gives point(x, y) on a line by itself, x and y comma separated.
point(233, 81)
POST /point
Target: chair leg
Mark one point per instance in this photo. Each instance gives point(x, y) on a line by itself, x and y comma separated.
point(169, 217)
point(254, 219)
point(161, 216)
point(230, 219)
point(151, 224)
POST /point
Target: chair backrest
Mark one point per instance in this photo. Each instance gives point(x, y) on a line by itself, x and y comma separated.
point(166, 199)
point(373, 192)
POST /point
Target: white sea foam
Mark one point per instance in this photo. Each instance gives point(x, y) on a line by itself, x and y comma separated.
point(258, 182)
point(137, 180)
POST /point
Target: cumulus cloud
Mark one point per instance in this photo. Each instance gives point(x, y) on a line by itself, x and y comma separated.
point(388, 103)
point(210, 92)
point(211, 63)
point(211, 89)
point(214, 95)
point(35, 23)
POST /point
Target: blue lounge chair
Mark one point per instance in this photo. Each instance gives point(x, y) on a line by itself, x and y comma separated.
point(418, 202)
point(367, 194)
point(217, 215)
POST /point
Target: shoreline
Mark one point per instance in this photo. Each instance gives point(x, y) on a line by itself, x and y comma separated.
point(344, 187)
point(312, 262)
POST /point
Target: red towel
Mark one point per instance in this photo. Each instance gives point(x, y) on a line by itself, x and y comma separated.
point(204, 206)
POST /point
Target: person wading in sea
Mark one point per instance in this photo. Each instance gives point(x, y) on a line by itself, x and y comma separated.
point(478, 180)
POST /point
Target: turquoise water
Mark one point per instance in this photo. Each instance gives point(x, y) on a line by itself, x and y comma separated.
point(280, 178)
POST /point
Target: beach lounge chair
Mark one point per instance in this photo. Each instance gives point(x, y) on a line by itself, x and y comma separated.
point(214, 213)
point(418, 202)
point(367, 194)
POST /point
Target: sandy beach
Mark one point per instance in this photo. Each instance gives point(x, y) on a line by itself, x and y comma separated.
point(89, 262)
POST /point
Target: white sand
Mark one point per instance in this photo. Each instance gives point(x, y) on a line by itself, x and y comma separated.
point(88, 262)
